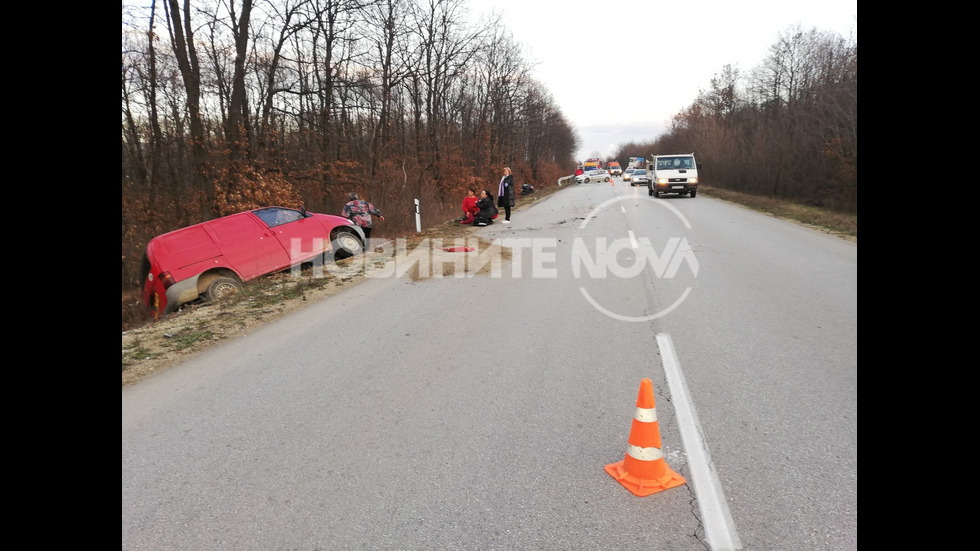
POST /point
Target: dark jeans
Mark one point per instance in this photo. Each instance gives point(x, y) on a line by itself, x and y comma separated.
point(506, 212)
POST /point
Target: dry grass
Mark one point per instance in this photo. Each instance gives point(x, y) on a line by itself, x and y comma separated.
point(839, 224)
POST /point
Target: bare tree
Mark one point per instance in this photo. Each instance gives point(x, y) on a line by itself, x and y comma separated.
point(445, 46)
point(182, 43)
point(237, 111)
point(502, 69)
point(386, 25)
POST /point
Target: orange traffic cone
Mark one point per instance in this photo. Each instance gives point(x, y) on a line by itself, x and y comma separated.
point(643, 470)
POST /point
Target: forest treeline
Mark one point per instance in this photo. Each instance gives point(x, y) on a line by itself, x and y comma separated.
point(786, 129)
point(231, 105)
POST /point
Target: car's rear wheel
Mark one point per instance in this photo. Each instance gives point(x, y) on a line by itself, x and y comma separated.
point(346, 244)
point(221, 288)
point(607, 178)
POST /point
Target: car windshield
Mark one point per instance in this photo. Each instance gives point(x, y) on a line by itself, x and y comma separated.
point(639, 172)
point(274, 216)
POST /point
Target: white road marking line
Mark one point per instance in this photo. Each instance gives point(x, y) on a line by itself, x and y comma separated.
point(719, 528)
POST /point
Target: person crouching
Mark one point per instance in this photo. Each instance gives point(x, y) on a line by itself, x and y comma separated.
point(487, 210)
point(470, 209)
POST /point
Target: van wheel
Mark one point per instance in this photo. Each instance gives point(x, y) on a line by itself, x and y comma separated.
point(694, 193)
point(346, 244)
point(222, 287)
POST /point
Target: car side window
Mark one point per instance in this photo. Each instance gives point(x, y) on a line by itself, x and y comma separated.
point(277, 216)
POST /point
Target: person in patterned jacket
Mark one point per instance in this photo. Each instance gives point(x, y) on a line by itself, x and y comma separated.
point(359, 211)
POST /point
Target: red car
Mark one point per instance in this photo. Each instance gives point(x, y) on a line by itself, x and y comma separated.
point(216, 257)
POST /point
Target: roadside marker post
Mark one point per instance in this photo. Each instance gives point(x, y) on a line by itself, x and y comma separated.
point(418, 218)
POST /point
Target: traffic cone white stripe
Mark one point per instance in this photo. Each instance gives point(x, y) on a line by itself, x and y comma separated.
point(644, 454)
point(645, 415)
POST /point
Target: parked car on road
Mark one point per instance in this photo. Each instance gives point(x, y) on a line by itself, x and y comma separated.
point(598, 175)
point(628, 174)
point(640, 177)
point(214, 258)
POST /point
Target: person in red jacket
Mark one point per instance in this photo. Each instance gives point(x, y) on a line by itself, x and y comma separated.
point(469, 207)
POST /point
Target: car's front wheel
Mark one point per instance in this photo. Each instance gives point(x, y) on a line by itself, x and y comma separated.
point(586, 180)
point(346, 244)
point(222, 287)
point(694, 193)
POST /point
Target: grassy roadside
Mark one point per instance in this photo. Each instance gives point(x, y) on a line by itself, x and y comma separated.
point(841, 225)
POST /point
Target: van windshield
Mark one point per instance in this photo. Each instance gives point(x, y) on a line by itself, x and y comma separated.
point(274, 216)
point(667, 163)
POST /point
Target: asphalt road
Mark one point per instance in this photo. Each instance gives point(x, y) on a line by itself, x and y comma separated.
point(478, 412)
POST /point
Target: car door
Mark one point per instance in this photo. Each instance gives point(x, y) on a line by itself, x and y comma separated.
point(301, 237)
point(248, 244)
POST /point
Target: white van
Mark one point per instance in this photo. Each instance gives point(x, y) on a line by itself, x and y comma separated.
point(673, 174)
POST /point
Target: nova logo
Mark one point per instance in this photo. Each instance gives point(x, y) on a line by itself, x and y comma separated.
point(429, 258)
point(665, 264)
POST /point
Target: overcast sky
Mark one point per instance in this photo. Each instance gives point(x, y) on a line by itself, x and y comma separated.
point(621, 69)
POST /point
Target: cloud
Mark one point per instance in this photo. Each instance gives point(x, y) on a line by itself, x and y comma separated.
point(607, 138)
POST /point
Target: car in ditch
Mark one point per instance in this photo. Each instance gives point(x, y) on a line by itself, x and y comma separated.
point(215, 258)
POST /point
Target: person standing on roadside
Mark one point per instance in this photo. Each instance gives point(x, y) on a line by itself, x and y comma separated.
point(359, 212)
point(505, 193)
